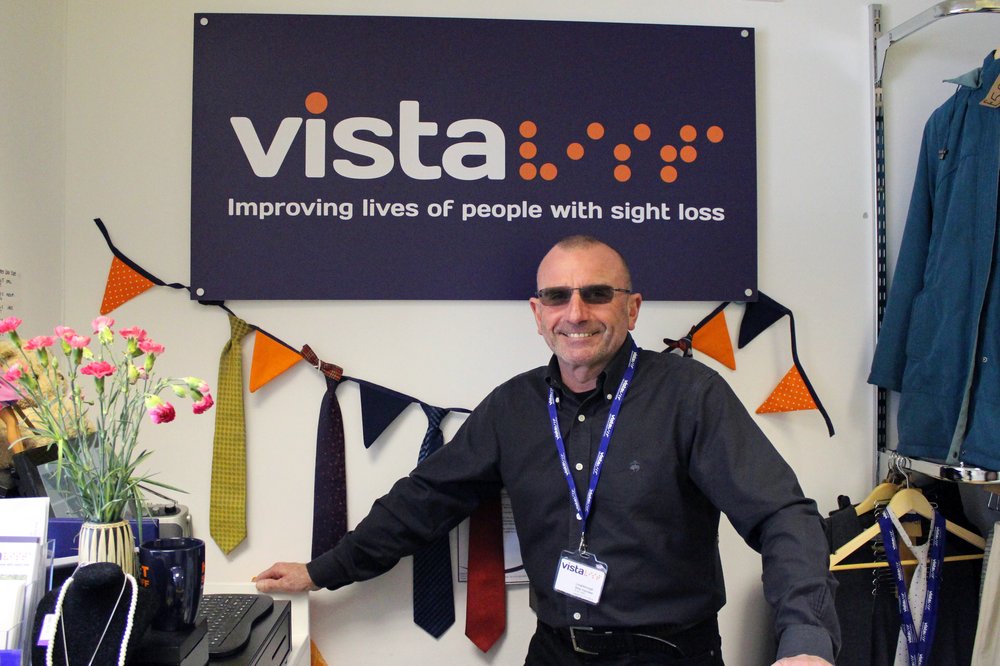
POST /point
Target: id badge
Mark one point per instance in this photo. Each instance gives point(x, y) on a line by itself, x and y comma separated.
point(581, 576)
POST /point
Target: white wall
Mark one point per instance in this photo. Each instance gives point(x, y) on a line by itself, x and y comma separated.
point(127, 159)
point(32, 158)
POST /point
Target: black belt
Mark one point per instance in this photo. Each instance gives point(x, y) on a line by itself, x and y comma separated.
point(661, 639)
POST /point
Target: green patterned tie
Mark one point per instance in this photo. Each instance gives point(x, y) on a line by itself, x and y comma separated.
point(227, 516)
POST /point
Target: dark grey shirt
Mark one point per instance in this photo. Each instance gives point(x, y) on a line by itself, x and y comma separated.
point(683, 449)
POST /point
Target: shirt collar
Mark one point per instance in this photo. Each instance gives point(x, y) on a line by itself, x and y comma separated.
point(610, 376)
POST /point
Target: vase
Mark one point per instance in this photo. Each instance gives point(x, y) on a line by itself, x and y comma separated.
point(108, 542)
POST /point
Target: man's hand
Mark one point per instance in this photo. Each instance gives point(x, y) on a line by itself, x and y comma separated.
point(285, 577)
point(802, 660)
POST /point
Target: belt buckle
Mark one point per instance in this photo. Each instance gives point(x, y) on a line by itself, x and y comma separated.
point(572, 637)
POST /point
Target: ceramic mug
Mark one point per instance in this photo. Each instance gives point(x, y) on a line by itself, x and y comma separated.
point(174, 570)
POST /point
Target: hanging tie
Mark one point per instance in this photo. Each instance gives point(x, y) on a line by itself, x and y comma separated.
point(433, 595)
point(486, 601)
point(330, 475)
point(227, 515)
point(330, 480)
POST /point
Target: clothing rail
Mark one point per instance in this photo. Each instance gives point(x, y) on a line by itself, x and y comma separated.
point(923, 19)
point(881, 41)
point(943, 471)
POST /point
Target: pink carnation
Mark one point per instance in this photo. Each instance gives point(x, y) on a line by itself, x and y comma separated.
point(13, 374)
point(98, 369)
point(9, 324)
point(134, 332)
point(101, 322)
point(65, 332)
point(39, 341)
point(147, 345)
point(162, 413)
point(203, 405)
point(78, 341)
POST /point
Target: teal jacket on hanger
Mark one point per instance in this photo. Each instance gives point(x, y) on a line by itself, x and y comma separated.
point(939, 344)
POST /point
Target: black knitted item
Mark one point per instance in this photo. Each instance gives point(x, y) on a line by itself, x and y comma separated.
point(89, 603)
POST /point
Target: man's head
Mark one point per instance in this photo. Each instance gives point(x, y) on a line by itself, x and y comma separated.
point(584, 335)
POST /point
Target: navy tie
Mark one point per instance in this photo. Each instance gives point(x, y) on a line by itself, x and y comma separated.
point(433, 595)
point(330, 480)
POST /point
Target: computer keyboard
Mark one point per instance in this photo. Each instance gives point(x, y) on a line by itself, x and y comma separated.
point(230, 618)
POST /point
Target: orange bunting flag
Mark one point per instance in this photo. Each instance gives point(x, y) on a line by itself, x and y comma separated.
point(713, 339)
point(790, 395)
point(270, 359)
point(315, 656)
point(124, 284)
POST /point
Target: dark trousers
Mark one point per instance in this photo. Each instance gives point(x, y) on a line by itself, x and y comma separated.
point(550, 648)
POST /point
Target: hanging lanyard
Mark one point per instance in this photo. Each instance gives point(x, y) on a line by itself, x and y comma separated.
point(616, 404)
point(918, 645)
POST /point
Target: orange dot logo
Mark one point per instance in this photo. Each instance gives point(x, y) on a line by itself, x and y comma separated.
point(316, 103)
point(595, 131)
point(673, 156)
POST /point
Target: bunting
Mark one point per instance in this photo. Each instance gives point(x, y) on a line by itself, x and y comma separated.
point(758, 316)
point(271, 357)
point(379, 408)
point(712, 339)
point(123, 285)
point(710, 336)
point(790, 395)
point(315, 656)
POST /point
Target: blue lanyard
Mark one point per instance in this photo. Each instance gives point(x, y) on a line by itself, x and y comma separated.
point(918, 645)
point(595, 473)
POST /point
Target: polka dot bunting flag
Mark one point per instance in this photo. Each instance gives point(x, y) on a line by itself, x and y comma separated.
point(790, 395)
point(124, 284)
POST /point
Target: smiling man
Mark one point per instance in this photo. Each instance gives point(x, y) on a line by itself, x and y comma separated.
point(619, 463)
point(584, 334)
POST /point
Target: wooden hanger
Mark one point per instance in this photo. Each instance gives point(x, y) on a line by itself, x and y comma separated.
point(907, 500)
point(879, 495)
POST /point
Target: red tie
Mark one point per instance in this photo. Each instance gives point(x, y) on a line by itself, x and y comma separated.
point(486, 600)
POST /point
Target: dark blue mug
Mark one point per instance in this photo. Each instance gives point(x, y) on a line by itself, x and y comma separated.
point(174, 570)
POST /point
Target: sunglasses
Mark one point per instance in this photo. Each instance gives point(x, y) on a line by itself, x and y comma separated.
point(592, 294)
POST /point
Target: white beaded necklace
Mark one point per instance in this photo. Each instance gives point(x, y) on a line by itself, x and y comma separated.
point(129, 579)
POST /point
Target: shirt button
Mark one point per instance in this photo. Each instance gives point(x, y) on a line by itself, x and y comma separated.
point(581, 418)
point(579, 467)
point(611, 397)
point(985, 359)
point(576, 616)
